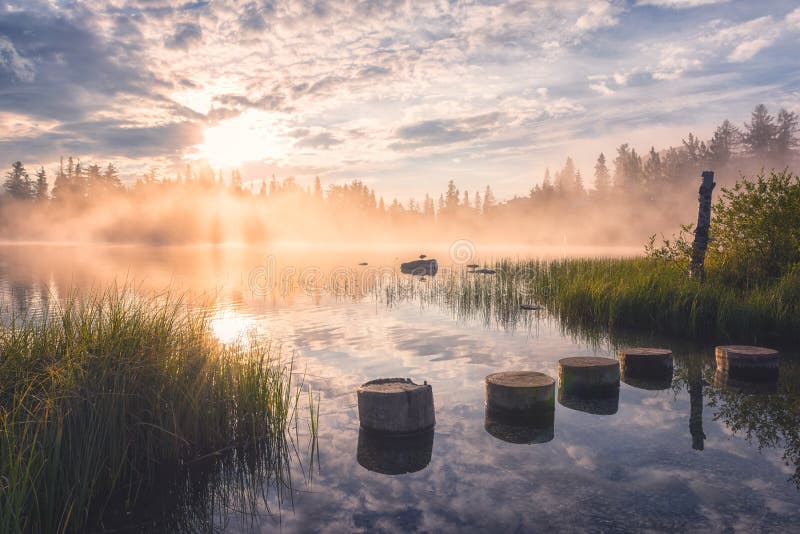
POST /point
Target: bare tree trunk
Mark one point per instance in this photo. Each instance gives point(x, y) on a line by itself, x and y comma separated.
point(700, 244)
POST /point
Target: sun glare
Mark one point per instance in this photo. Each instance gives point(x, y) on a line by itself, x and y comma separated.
point(248, 137)
point(230, 326)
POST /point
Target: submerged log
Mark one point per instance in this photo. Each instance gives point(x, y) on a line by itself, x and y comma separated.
point(700, 244)
point(420, 267)
point(395, 406)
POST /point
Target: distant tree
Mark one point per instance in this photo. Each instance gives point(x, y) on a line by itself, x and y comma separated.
point(236, 181)
point(547, 183)
point(760, 131)
point(18, 183)
point(94, 180)
point(785, 133)
point(725, 143)
point(317, 189)
point(653, 169)
point(628, 171)
point(451, 197)
point(111, 181)
point(151, 176)
point(488, 200)
point(578, 188)
point(428, 208)
point(40, 187)
point(465, 203)
point(565, 180)
point(61, 186)
point(477, 201)
point(602, 178)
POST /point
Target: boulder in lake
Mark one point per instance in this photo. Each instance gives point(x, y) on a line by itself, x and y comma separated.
point(420, 267)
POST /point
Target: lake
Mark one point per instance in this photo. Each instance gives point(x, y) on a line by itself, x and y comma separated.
point(694, 454)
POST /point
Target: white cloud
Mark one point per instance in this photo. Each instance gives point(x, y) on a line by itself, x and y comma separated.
point(602, 88)
point(679, 4)
point(600, 14)
point(748, 49)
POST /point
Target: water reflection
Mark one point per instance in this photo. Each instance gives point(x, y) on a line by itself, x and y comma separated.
point(517, 428)
point(725, 381)
point(394, 455)
point(630, 473)
point(606, 404)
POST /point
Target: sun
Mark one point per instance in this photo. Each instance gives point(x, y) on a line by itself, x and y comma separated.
point(251, 136)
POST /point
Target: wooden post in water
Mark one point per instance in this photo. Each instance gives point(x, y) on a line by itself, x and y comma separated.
point(700, 244)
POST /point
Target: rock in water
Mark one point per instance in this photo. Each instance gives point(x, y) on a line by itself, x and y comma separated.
point(420, 267)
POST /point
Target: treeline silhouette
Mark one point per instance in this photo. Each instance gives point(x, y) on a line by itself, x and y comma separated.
point(633, 196)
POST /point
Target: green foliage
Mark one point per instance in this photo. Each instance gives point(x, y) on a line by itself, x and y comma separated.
point(105, 395)
point(755, 232)
point(756, 227)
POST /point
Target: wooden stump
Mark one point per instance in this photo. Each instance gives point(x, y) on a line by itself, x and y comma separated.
point(520, 391)
point(646, 368)
point(395, 406)
point(588, 375)
point(748, 363)
point(519, 428)
point(394, 455)
point(724, 381)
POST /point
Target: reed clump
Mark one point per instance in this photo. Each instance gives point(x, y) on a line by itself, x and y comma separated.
point(103, 394)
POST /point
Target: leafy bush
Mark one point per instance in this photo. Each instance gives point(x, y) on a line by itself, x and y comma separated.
point(755, 231)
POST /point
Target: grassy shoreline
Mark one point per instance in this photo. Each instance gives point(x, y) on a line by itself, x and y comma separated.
point(657, 296)
point(104, 394)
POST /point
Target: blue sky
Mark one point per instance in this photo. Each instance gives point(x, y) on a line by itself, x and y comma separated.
point(403, 95)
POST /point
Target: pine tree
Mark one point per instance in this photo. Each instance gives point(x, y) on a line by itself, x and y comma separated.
point(578, 188)
point(602, 178)
point(565, 179)
point(40, 188)
point(760, 131)
point(725, 143)
point(547, 184)
point(477, 200)
point(785, 133)
point(18, 183)
point(111, 179)
point(488, 200)
point(317, 189)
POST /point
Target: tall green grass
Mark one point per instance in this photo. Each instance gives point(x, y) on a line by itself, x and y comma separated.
point(109, 399)
point(596, 297)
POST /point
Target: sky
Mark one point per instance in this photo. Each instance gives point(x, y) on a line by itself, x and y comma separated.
point(402, 95)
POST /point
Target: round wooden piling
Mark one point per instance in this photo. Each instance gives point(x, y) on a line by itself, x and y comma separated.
point(646, 368)
point(394, 455)
point(748, 363)
point(588, 375)
point(520, 391)
point(724, 381)
point(395, 406)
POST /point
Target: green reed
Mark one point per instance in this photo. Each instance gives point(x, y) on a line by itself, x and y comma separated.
point(598, 297)
point(110, 399)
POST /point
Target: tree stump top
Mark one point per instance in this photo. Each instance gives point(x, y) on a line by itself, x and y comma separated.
point(645, 351)
point(520, 379)
point(390, 385)
point(587, 361)
point(746, 350)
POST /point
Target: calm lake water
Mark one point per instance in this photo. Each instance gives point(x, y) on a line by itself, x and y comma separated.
point(692, 456)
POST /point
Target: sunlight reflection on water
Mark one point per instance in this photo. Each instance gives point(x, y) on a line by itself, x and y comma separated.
point(637, 469)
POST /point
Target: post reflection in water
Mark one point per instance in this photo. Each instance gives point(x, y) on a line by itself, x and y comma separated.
point(723, 380)
point(519, 429)
point(596, 404)
point(394, 455)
